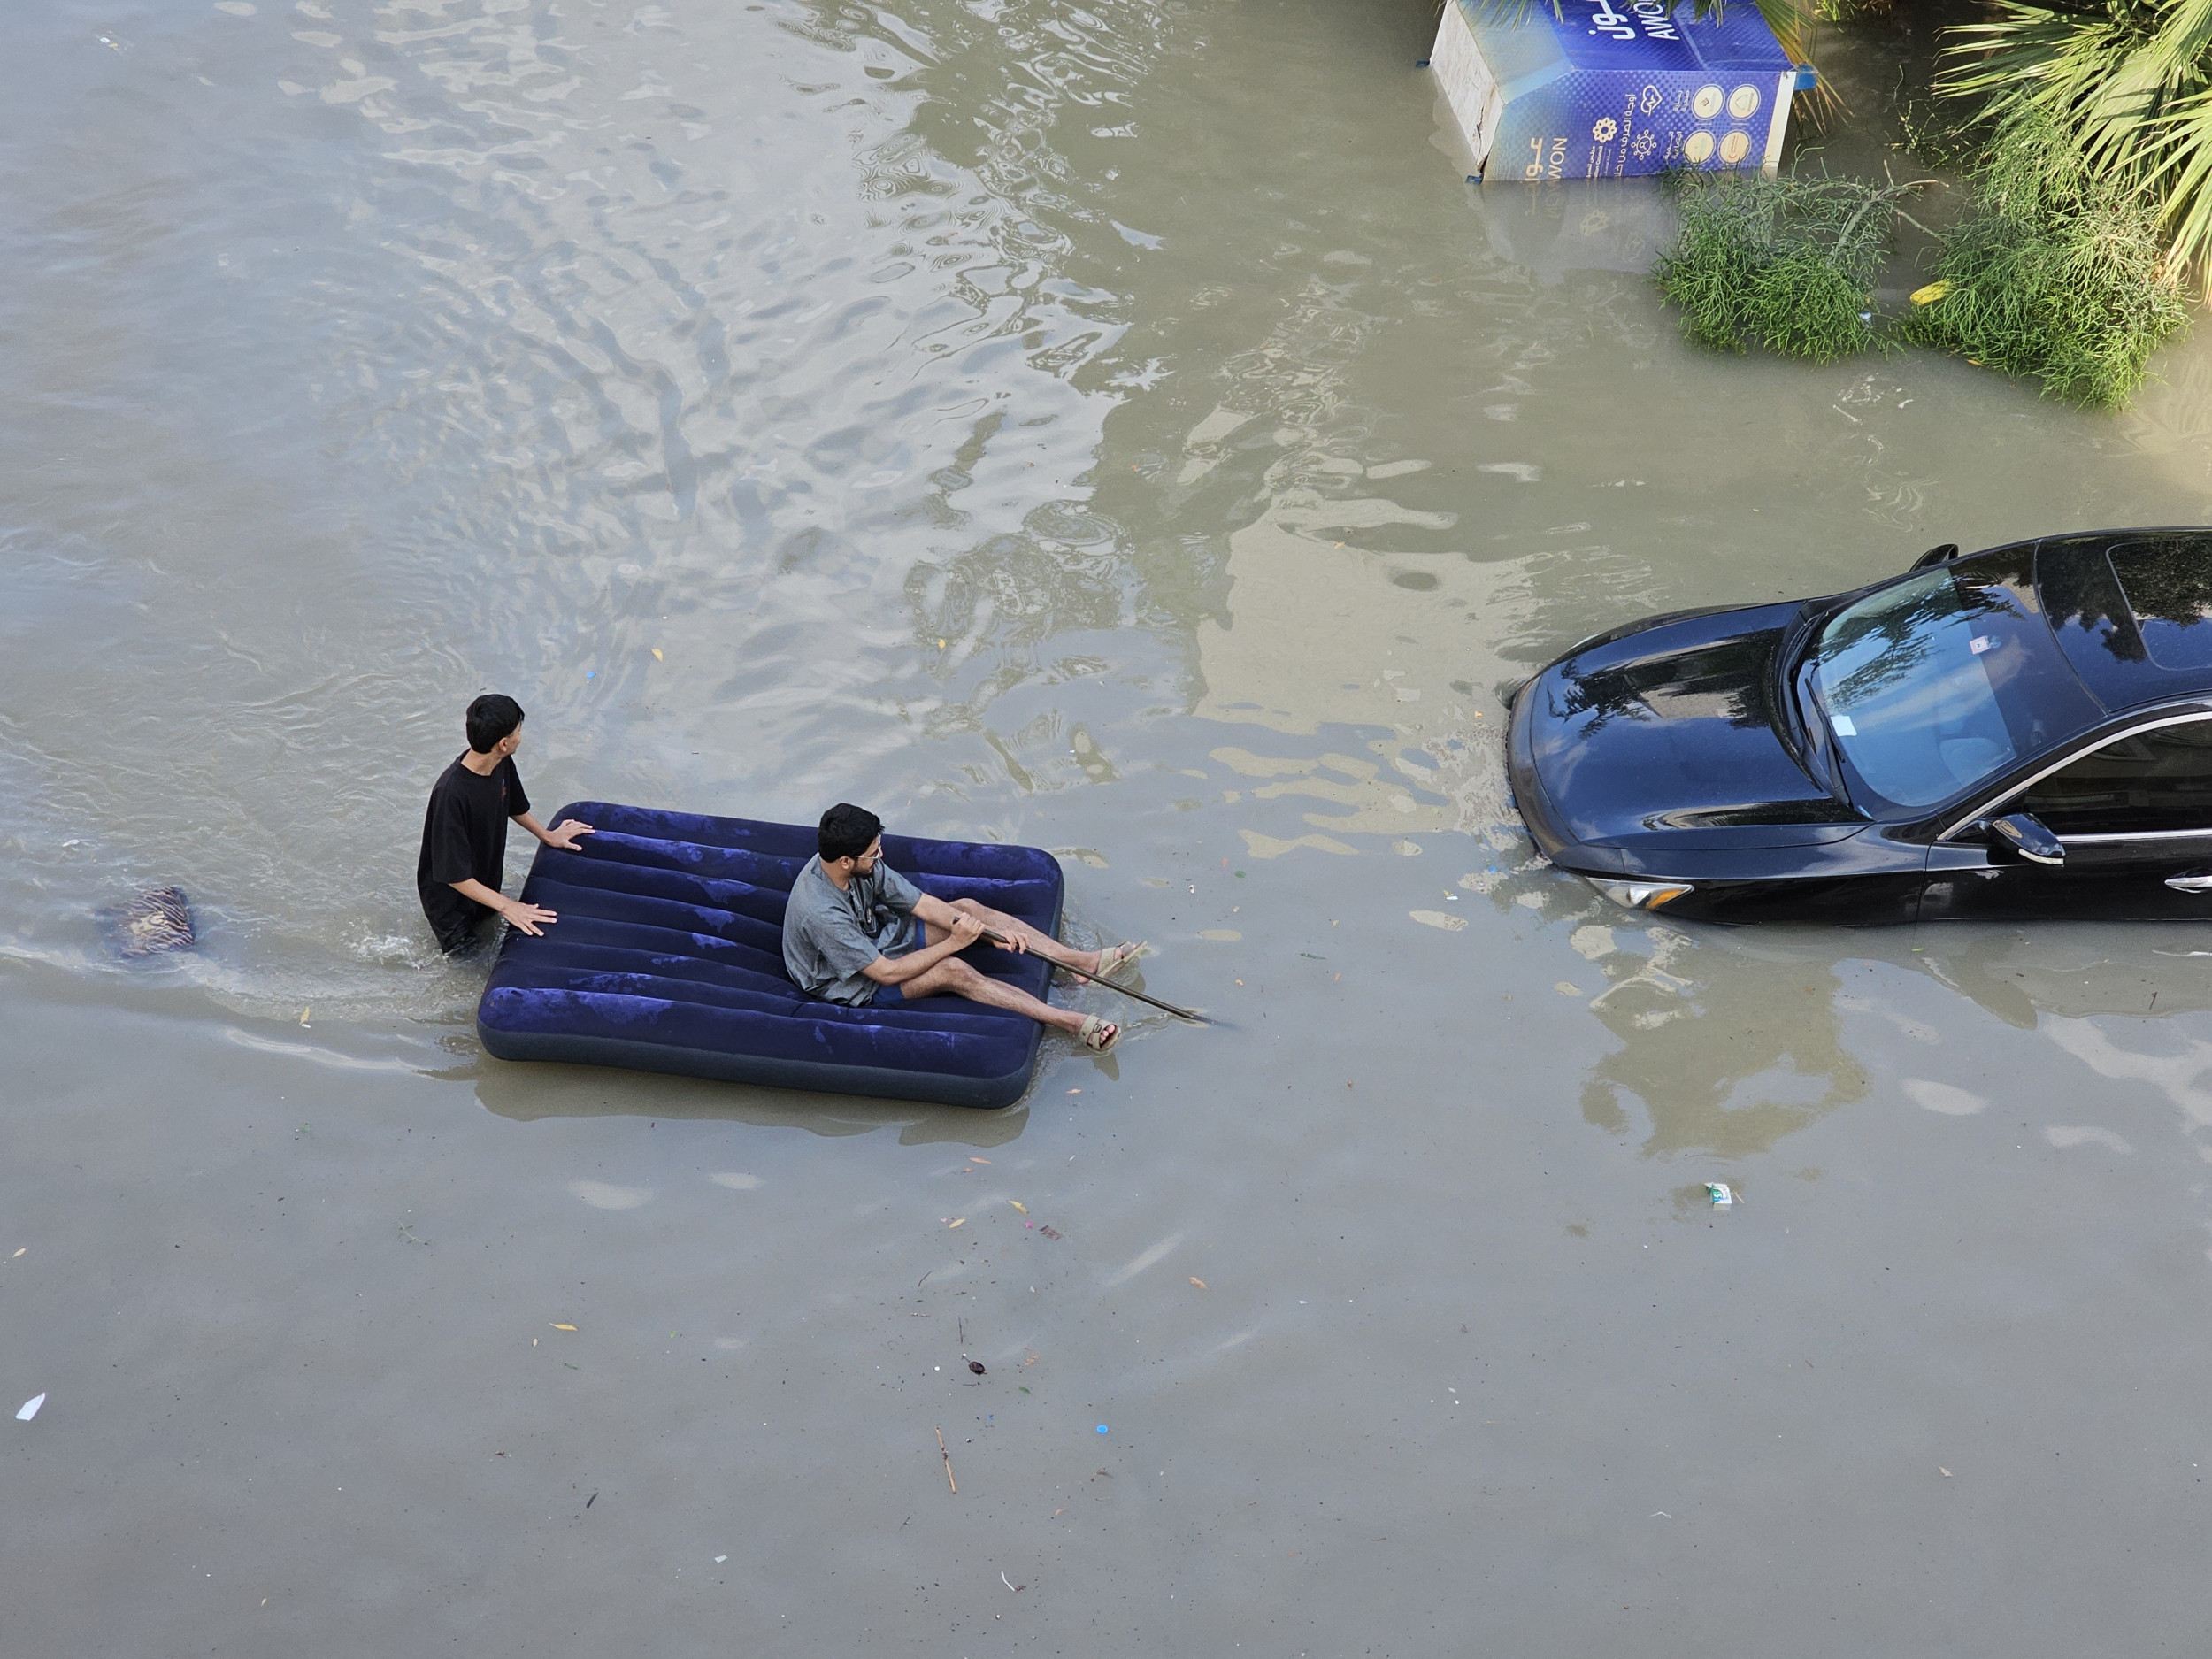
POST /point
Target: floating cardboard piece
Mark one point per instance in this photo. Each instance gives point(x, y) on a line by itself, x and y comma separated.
point(1612, 89)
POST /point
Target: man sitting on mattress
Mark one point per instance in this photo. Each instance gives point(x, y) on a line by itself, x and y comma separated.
point(857, 932)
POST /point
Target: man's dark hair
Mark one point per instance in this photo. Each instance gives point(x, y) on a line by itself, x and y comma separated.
point(847, 831)
point(491, 717)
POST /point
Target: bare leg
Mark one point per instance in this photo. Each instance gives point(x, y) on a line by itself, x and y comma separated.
point(955, 978)
point(1042, 944)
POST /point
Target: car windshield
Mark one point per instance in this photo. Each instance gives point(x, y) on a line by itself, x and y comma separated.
point(1941, 681)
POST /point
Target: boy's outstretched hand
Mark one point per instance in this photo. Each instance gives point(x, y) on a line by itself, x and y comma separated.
point(563, 834)
point(529, 919)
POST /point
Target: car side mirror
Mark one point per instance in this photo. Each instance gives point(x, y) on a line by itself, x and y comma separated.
point(2026, 835)
point(1942, 554)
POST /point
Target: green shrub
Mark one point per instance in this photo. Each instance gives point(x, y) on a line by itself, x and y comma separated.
point(2059, 274)
point(1789, 263)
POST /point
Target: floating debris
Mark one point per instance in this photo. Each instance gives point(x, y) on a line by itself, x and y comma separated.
point(1718, 1192)
point(158, 919)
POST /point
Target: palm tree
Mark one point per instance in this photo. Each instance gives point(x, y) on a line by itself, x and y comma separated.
point(2128, 83)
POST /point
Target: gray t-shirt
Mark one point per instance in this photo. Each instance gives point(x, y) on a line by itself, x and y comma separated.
point(829, 936)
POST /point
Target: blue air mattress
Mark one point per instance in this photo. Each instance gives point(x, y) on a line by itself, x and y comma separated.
point(668, 956)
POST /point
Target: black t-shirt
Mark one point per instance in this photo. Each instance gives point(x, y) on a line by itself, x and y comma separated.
point(465, 835)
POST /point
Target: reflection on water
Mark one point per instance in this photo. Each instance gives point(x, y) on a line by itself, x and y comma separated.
point(1728, 1064)
point(1721, 1041)
point(2075, 972)
point(1379, 654)
point(2177, 1065)
point(1725, 1041)
point(533, 1094)
point(1722, 1049)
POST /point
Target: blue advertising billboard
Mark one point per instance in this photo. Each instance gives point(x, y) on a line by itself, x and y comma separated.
point(1612, 88)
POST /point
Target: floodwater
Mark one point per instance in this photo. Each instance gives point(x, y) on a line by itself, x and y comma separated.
point(1116, 428)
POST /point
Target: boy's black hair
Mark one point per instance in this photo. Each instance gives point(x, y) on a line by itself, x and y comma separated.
point(847, 831)
point(491, 717)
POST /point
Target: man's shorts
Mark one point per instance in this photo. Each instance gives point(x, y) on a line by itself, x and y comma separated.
point(891, 996)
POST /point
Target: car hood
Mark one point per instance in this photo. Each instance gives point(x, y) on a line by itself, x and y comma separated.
point(1665, 733)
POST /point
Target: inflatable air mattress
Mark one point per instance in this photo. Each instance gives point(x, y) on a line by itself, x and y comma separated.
point(668, 956)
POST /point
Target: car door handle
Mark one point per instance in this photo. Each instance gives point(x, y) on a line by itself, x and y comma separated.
point(2190, 884)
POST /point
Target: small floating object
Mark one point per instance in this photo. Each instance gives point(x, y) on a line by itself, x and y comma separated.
point(158, 919)
point(1717, 1191)
point(31, 1406)
point(1930, 294)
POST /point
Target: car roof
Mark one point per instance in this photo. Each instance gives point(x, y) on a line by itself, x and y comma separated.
point(2131, 610)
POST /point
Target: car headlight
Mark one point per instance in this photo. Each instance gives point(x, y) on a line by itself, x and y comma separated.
point(1642, 895)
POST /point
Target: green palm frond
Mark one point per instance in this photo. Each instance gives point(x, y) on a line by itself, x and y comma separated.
point(2179, 170)
point(2128, 84)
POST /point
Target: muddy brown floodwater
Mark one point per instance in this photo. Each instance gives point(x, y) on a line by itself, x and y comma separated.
point(1115, 427)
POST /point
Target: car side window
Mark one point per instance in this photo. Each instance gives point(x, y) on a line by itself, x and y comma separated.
point(2153, 782)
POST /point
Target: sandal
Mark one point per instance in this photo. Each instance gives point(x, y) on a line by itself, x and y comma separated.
point(1115, 958)
point(1099, 1035)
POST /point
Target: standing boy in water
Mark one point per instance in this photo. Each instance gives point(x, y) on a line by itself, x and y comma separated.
point(464, 830)
point(855, 931)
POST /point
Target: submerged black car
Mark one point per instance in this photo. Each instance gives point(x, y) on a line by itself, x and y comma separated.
point(2020, 732)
